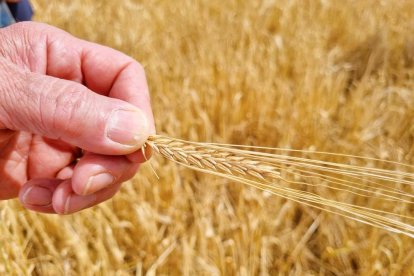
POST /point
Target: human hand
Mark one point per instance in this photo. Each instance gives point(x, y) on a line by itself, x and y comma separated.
point(62, 98)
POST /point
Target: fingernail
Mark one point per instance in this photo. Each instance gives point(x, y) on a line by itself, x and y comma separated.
point(75, 203)
point(37, 196)
point(127, 127)
point(98, 182)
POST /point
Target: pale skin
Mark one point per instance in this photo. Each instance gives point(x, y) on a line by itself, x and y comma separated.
point(73, 118)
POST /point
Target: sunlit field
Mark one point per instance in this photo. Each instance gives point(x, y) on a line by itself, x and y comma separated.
point(311, 75)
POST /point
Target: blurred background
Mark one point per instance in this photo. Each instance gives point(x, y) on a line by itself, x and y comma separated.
point(322, 75)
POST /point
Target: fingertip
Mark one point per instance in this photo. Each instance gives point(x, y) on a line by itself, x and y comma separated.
point(66, 172)
point(37, 195)
point(96, 172)
point(98, 182)
point(61, 197)
point(66, 201)
point(128, 128)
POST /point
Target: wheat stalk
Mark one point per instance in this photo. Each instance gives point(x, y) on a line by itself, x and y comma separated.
point(337, 188)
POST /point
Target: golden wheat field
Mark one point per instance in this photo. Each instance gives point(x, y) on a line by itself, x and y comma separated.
point(312, 75)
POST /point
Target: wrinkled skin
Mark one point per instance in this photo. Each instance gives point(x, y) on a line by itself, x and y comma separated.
point(62, 146)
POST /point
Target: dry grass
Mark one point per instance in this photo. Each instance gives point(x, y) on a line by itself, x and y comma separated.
point(332, 76)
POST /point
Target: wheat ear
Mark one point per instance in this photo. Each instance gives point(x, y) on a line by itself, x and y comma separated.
point(303, 180)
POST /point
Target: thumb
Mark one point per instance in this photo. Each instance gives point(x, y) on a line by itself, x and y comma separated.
point(65, 110)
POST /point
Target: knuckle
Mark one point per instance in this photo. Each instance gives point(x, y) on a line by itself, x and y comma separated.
point(141, 72)
point(13, 92)
point(20, 28)
point(16, 44)
point(26, 28)
point(140, 68)
point(69, 109)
